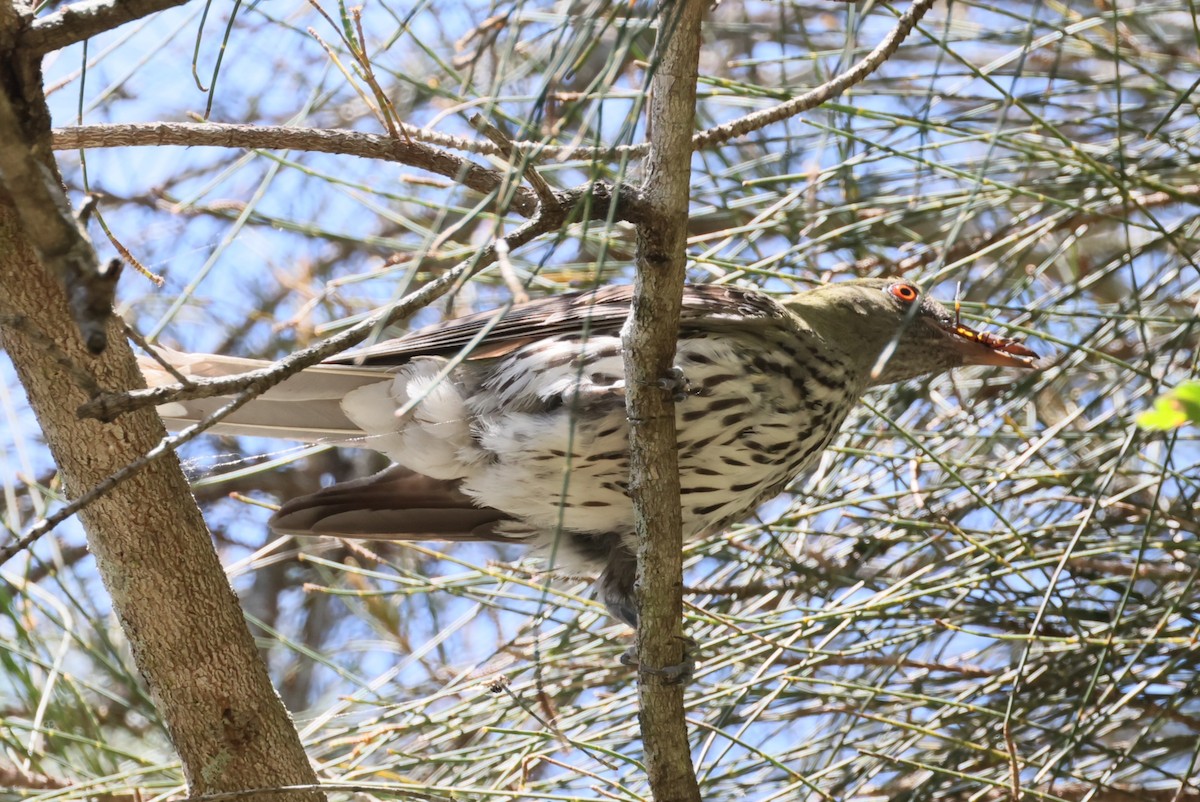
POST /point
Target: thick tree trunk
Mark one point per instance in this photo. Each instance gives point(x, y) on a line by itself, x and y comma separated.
point(152, 549)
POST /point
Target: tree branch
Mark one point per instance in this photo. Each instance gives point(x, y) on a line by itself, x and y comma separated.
point(79, 21)
point(383, 147)
point(650, 340)
point(721, 134)
point(319, 140)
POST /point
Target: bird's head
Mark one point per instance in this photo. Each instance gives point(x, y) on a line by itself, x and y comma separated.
point(893, 331)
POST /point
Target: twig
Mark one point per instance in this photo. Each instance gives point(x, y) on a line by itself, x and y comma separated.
point(500, 139)
point(808, 663)
point(826, 91)
point(509, 274)
point(349, 143)
point(910, 781)
point(13, 777)
point(137, 337)
point(166, 446)
point(371, 146)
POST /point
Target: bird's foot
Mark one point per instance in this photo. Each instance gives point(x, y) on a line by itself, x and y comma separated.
point(679, 674)
point(676, 383)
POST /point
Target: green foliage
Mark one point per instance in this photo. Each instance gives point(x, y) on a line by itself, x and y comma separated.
point(1180, 406)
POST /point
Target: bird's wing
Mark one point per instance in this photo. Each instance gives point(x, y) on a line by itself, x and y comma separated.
point(395, 504)
point(307, 407)
point(500, 331)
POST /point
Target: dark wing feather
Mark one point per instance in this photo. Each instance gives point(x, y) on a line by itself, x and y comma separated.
point(602, 310)
point(394, 504)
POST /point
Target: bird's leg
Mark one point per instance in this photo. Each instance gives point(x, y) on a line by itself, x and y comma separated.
point(616, 581)
point(679, 674)
point(615, 588)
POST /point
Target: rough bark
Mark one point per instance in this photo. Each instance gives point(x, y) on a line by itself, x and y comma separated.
point(153, 552)
point(650, 339)
point(78, 21)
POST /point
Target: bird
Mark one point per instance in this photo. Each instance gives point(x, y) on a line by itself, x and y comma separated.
point(510, 425)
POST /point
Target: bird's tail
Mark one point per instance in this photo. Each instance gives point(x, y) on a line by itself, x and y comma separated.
point(306, 407)
point(394, 504)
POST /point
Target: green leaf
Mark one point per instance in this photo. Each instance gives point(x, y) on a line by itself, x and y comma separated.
point(1180, 406)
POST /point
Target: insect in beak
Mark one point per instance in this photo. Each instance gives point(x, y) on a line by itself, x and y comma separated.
point(986, 348)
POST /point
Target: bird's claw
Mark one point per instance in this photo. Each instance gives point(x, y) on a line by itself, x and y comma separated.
point(676, 383)
point(679, 674)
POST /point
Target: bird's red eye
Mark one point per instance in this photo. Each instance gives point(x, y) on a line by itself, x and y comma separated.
point(905, 292)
